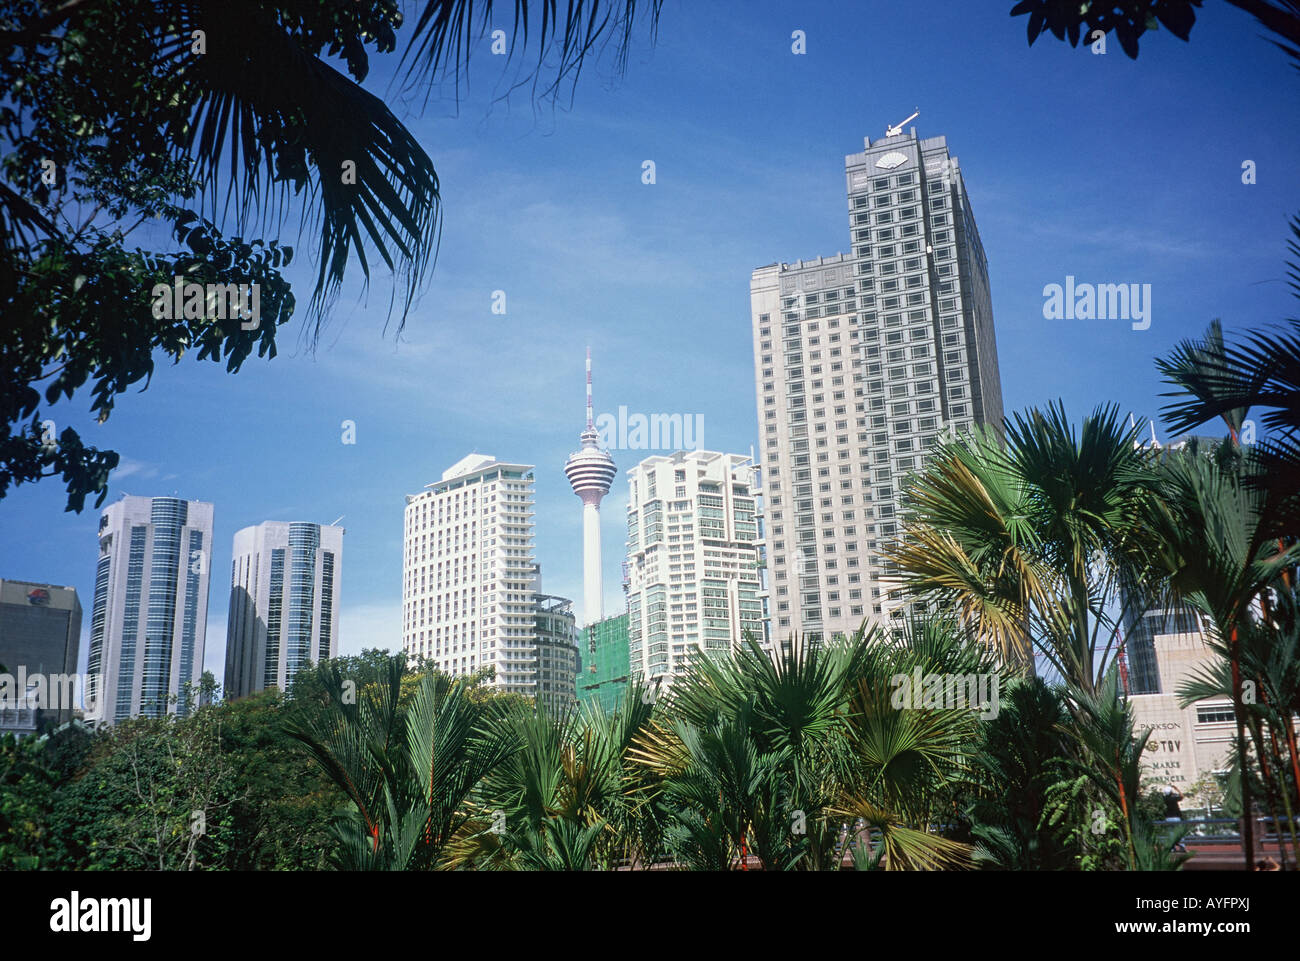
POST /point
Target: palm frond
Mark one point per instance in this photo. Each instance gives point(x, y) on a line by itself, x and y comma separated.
point(369, 184)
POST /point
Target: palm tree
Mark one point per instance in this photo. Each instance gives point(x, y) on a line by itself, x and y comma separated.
point(1269, 653)
point(728, 799)
point(568, 779)
point(1030, 543)
point(1107, 754)
point(1017, 760)
point(256, 115)
point(1214, 380)
point(791, 757)
point(407, 774)
point(908, 763)
point(1206, 533)
point(738, 756)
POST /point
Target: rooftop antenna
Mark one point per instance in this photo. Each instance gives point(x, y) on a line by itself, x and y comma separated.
point(895, 130)
point(336, 523)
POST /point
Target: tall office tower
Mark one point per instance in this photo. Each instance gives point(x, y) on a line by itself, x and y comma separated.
point(40, 633)
point(862, 361)
point(150, 613)
point(692, 549)
point(468, 577)
point(284, 603)
point(591, 472)
point(557, 652)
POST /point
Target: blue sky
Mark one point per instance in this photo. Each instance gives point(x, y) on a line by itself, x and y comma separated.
point(1107, 169)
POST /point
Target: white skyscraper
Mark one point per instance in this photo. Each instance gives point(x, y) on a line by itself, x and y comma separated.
point(862, 363)
point(469, 581)
point(591, 471)
point(692, 551)
point(284, 603)
point(150, 612)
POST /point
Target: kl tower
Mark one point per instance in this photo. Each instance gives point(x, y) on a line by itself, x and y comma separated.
point(591, 472)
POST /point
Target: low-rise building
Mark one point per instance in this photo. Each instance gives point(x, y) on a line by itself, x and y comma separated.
point(1185, 742)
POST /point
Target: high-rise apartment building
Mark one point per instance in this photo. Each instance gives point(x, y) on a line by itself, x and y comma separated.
point(284, 603)
point(150, 610)
point(469, 581)
point(692, 549)
point(862, 362)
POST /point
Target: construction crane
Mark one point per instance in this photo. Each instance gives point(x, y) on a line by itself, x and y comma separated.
point(895, 130)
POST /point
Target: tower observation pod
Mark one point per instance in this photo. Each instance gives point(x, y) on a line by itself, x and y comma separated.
point(591, 472)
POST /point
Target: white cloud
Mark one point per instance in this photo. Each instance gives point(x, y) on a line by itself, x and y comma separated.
point(135, 468)
point(370, 625)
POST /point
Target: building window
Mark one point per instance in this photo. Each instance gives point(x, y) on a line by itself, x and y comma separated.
point(1215, 714)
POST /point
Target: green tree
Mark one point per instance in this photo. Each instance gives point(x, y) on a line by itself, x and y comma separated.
point(156, 795)
point(27, 787)
point(281, 818)
point(795, 758)
point(1107, 755)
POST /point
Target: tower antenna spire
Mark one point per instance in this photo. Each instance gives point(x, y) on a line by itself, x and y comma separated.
point(590, 420)
point(591, 472)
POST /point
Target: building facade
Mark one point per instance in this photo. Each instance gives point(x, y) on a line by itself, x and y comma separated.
point(862, 362)
point(557, 653)
point(1185, 742)
point(692, 550)
point(469, 580)
point(150, 612)
point(1142, 627)
point(40, 633)
point(284, 603)
point(606, 666)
